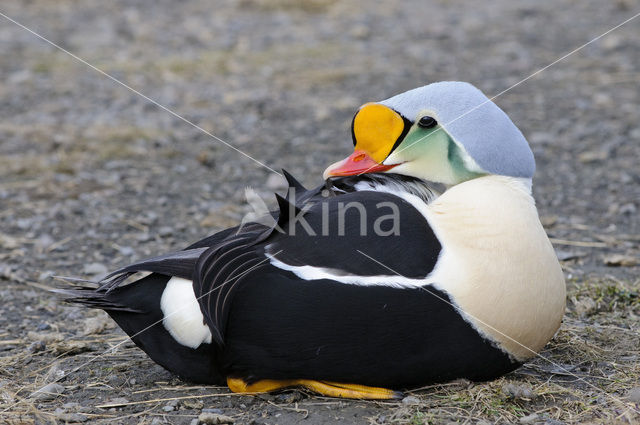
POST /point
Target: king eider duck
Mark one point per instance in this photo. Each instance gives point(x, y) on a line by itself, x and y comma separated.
point(372, 282)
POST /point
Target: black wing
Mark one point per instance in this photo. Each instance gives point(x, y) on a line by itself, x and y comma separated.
point(271, 324)
point(335, 232)
point(331, 227)
point(327, 230)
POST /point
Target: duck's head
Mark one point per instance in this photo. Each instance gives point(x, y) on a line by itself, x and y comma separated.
point(446, 132)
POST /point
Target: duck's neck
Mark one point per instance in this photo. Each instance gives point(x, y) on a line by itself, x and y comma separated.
point(526, 183)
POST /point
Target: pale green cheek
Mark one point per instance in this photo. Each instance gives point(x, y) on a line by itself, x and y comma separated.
point(431, 155)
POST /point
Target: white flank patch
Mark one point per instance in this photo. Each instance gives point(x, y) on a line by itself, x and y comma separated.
point(182, 316)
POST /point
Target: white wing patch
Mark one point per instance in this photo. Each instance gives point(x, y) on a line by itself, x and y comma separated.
point(392, 279)
point(182, 316)
point(315, 273)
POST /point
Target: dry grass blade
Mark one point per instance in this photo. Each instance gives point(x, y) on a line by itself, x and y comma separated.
point(159, 400)
point(585, 244)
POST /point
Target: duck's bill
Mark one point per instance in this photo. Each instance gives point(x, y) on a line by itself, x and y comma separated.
point(359, 162)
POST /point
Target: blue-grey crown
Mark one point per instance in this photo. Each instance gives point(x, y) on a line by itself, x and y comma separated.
point(473, 121)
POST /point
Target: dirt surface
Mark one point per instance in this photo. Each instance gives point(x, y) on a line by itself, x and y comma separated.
point(92, 176)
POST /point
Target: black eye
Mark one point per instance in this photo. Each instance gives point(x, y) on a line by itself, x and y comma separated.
point(427, 122)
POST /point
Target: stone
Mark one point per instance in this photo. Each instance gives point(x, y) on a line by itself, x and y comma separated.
point(569, 255)
point(36, 347)
point(289, 397)
point(48, 392)
point(529, 419)
point(633, 395)
point(213, 410)
point(118, 401)
point(518, 391)
point(71, 417)
point(165, 231)
point(411, 400)
point(214, 418)
point(620, 260)
point(194, 404)
point(97, 324)
point(95, 269)
point(43, 327)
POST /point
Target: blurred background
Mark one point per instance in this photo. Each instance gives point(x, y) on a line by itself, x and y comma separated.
point(93, 176)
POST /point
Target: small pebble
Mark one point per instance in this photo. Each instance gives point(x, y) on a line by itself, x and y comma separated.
point(634, 395)
point(211, 410)
point(55, 373)
point(585, 306)
point(36, 347)
point(171, 406)
point(628, 209)
point(43, 242)
point(77, 407)
point(45, 275)
point(118, 401)
point(518, 391)
point(619, 260)
point(289, 398)
point(195, 404)
point(71, 405)
point(95, 325)
point(46, 337)
point(214, 418)
point(95, 269)
point(126, 251)
point(529, 419)
point(411, 400)
point(144, 237)
point(115, 380)
point(165, 231)
point(569, 255)
point(48, 392)
point(43, 326)
point(71, 417)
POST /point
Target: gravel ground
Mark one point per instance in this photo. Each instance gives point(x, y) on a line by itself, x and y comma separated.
point(92, 176)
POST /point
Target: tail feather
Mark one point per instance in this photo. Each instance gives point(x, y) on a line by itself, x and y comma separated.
point(136, 309)
point(179, 263)
point(91, 298)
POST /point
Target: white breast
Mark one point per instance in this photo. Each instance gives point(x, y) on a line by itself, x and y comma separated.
point(497, 262)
